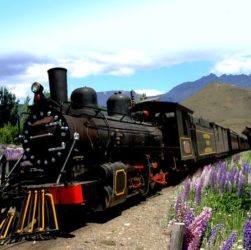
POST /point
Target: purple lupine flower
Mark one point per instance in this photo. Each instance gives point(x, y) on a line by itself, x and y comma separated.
point(222, 179)
point(232, 174)
point(213, 176)
point(206, 174)
point(245, 168)
point(13, 154)
point(189, 216)
point(178, 206)
point(231, 180)
point(230, 241)
point(198, 191)
point(213, 235)
point(196, 242)
point(230, 187)
point(246, 237)
point(188, 219)
point(219, 171)
point(241, 184)
point(196, 230)
point(186, 189)
point(236, 178)
point(249, 177)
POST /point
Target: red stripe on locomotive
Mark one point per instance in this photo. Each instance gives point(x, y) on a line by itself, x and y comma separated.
point(67, 195)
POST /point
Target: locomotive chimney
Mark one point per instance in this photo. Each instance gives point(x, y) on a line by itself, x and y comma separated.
point(58, 84)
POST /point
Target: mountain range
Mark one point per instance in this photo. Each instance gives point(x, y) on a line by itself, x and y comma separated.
point(185, 90)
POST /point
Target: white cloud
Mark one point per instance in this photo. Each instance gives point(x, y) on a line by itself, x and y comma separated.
point(21, 90)
point(123, 63)
point(237, 64)
point(83, 68)
point(149, 92)
point(37, 72)
point(122, 71)
point(20, 83)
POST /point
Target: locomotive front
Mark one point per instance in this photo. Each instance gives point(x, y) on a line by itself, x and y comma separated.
point(46, 133)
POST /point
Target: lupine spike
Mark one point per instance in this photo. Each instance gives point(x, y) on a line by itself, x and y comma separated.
point(230, 241)
point(241, 184)
point(213, 176)
point(186, 189)
point(198, 191)
point(246, 238)
point(196, 230)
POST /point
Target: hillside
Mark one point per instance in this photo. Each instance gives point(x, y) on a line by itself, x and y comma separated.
point(184, 90)
point(225, 104)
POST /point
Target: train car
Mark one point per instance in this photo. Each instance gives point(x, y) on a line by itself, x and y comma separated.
point(247, 133)
point(221, 139)
point(233, 139)
point(204, 138)
point(243, 143)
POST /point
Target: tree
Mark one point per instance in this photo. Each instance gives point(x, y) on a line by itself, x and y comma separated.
point(143, 97)
point(8, 134)
point(23, 110)
point(8, 107)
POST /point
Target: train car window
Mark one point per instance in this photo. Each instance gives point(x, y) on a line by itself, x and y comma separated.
point(170, 114)
point(166, 115)
point(163, 118)
point(186, 123)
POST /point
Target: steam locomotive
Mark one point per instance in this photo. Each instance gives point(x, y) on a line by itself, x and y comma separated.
point(76, 153)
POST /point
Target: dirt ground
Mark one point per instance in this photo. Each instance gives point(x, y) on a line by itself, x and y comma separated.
point(139, 226)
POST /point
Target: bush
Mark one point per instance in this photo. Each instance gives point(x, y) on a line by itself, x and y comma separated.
point(8, 134)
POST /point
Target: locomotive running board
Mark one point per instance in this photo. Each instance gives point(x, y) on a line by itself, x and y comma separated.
point(37, 216)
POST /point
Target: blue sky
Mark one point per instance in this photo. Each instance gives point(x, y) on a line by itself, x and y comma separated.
point(146, 45)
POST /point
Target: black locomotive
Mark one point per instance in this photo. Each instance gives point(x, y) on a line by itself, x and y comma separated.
point(76, 153)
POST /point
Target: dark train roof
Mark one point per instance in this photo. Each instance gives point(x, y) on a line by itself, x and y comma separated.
point(157, 106)
point(247, 131)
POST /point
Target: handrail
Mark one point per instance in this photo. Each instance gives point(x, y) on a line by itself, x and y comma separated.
point(3, 162)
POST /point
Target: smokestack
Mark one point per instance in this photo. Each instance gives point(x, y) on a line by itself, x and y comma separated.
point(58, 84)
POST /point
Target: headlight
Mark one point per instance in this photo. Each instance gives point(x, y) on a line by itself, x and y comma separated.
point(37, 88)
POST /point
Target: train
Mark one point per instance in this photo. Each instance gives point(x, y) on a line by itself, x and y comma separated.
point(77, 153)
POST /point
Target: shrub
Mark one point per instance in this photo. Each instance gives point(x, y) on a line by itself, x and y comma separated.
point(8, 134)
